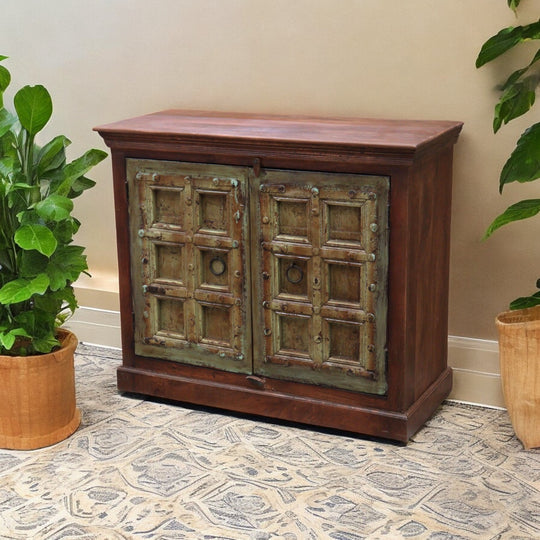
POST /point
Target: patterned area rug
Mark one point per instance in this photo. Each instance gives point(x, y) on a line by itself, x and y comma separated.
point(142, 469)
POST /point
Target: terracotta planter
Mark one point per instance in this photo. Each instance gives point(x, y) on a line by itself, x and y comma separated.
point(519, 352)
point(37, 397)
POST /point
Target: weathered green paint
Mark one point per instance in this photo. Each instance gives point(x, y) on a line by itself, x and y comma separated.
point(329, 328)
point(189, 216)
point(307, 252)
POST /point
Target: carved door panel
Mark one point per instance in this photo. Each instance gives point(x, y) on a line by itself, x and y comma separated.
point(321, 264)
point(190, 273)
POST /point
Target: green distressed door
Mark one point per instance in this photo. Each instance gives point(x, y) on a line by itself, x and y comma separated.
point(190, 274)
point(320, 263)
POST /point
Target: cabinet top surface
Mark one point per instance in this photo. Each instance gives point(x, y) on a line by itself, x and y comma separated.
point(178, 124)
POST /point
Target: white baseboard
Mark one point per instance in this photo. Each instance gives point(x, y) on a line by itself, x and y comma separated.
point(96, 326)
point(477, 377)
point(475, 362)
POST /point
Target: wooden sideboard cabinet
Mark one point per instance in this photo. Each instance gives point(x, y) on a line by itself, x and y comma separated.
point(285, 266)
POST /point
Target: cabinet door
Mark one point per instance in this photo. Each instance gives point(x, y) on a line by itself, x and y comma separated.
point(320, 264)
point(189, 271)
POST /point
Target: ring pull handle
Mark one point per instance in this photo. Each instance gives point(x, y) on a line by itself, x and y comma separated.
point(218, 266)
point(294, 274)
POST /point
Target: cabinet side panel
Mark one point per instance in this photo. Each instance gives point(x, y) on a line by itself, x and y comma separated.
point(431, 200)
point(123, 249)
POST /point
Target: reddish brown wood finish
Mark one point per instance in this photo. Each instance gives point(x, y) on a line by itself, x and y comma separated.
point(417, 156)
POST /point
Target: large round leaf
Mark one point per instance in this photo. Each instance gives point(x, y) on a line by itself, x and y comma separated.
point(36, 237)
point(54, 208)
point(21, 289)
point(34, 107)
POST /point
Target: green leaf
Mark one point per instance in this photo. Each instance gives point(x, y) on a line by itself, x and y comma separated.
point(52, 155)
point(46, 343)
point(81, 184)
point(5, 79)
point(77, 168)
point(36, 237)
point(29, 217)
point(521, 210)
point(54, 208)
point(523, 165)
point(34, 107)
point(519, 72)
point(55, 302)
point(64, 230)
point(526, 301)
point(66, 265)
point(6, 165)
point(505, 40)
point(8, 144)
point(32, 263)
point(7, 339)
point(6, 121)
point(22, 289)
point(516, 100)
point(27, 319)
point(513, 4)
point(68, 299)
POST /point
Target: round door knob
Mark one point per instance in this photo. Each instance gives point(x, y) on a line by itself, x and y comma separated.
point(294, 274)
point(218, 266)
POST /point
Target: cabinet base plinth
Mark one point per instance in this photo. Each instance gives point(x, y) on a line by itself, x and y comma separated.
point(355, 418)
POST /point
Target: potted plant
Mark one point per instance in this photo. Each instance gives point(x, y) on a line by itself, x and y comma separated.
point(519, 328)
point(38, 264)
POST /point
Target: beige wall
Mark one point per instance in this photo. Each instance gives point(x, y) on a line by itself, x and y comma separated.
point(106, 60)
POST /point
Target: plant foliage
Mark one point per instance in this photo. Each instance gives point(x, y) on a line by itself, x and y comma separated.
point(38, 261)
point(518, 95)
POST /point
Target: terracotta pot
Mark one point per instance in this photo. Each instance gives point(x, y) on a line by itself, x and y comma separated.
point(37, 397)
point(519, 353)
